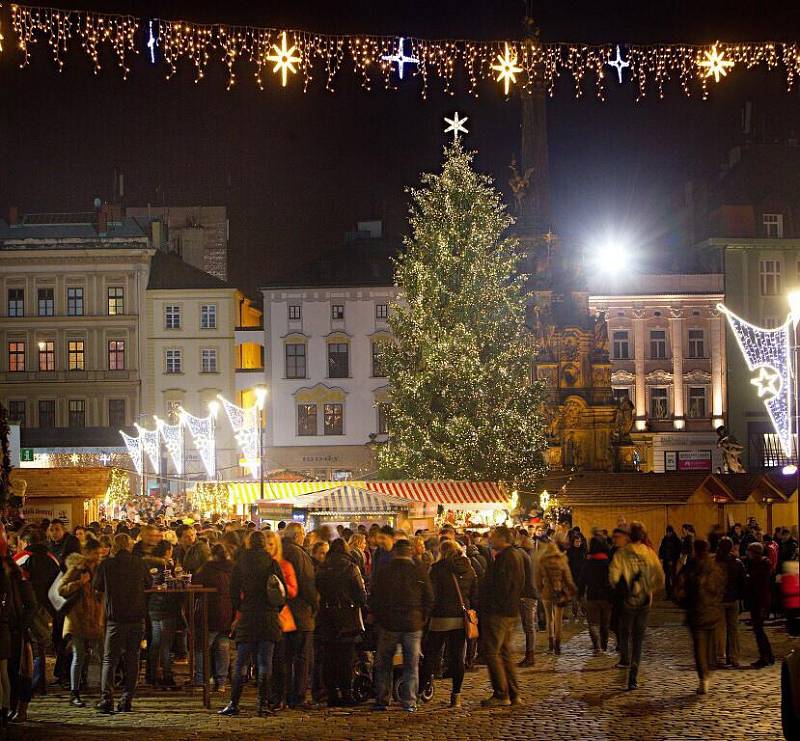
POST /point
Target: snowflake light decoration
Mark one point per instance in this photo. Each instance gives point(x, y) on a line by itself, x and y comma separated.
point(172, 435)
point(456, 126)
point(400, 58)
point(151, 447)
point(203, 436)
point(506, 68)
point(135, 451)
point(715, 63)
point(284, 58)
point(246, 429)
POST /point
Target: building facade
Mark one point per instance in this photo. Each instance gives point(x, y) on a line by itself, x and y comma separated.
point(73, 288)
point(202, 339)
point(668, 357)
point(198, 234)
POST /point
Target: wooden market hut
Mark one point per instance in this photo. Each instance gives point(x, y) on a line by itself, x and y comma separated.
point(70, 493)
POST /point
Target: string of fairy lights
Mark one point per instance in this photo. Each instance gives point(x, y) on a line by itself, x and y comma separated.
point(290, 57)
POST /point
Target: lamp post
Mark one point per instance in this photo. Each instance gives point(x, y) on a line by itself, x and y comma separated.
point(261, 398)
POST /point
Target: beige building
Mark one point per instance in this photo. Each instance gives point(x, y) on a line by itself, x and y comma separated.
point(668, 356)
point(202, 338)
point(72, 288)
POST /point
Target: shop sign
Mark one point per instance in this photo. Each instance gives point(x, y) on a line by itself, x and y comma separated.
point(687, 460)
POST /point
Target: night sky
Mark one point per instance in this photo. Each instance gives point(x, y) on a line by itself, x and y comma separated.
point(296, 171)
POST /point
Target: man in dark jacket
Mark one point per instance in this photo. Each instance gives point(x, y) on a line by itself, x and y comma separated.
point(500, 595)
point(669, 552)
point(384, 539)
point(528, 603)
point(300, 643)
point(401, 599)
point(122, 580)
point(727, 634)
point(759, 599)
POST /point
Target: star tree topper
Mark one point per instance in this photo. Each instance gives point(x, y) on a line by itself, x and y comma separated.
point(768, 353)
point(456, 126)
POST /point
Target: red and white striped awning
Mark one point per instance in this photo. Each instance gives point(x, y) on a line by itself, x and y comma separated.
point(443, 492)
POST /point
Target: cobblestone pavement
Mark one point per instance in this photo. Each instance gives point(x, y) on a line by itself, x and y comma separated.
point(575, 695)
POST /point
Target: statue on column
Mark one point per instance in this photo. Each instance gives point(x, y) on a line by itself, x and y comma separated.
point(519, 185)
point(600, 340)
point(731, 450)
point(623, 421)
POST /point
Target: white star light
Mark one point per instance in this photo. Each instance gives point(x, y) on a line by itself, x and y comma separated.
point(619, 64)
point(456, 126)
point(284, 58)
point(768, 382)
point(506, 68)
point(400, 58)
point(715, 63)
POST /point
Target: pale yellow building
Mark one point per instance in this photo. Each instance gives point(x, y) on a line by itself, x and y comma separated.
point(203, 338)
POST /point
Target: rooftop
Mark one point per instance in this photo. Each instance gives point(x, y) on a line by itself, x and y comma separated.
point(168, 271)
point(78, 230)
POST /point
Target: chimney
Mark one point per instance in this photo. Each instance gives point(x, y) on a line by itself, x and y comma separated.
point(13, 215)
point(102, 220)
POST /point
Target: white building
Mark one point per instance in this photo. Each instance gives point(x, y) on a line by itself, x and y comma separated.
point(325, 385)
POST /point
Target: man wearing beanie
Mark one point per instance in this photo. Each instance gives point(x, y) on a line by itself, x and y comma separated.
point(400, 600)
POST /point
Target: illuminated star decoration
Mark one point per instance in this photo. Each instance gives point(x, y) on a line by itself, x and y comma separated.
point(284, 59)
point(506, 68)
point(768, 382)
point(715, 63)
point(400, 58)
point(203, 436)
point(244, 422)
point(769, 351)
point(456, 126)
point(152, 43)
point(619, 64)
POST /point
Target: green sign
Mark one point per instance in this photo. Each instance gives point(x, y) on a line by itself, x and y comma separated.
point(26, 454)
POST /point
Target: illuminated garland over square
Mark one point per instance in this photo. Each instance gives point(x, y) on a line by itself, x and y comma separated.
point(202, 431)
point(151, 446)
point(246, 429)
point(172, 435)
point(135, 451)
point(769, 353)
point(310, 56)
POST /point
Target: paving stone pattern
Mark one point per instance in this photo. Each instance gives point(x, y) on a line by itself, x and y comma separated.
point(574, 696)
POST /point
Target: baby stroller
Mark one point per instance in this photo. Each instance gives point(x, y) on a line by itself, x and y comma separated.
point(363, 678)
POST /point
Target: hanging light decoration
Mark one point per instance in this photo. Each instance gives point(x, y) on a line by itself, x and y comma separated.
point(202, 431)
point(244, 422)
point(135, 451)
point(172, 435)
point(151, 446)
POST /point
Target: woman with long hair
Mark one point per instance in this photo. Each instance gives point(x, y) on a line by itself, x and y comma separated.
point(555, 585)
point(257, 626)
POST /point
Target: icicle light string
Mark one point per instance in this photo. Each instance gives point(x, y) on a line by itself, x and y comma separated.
point(287, 57)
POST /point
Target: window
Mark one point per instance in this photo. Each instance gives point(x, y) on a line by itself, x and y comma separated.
point(16, 357)
point(16, 412)
point(334, 422)
point(338, 360)
point(697, 402)
point(659, 403)
point(773, 226)
point(295, 360)
point(621, 346)
point(620, 393)
point(16, 302)
point(208, 360)
point(383, 421)
point(76, 356)
point(74, 301)
point(337, 311)
point(377, 365)
point(770, 271)
point(658, 344)
point(295, 312)
point(208, 316)
point(47, 413)
point(306, 419)
point(47, 301)
point(47, 355)
point(116, 412)
point(116, 300)
point(697, 345)
point(173, 361)
point(77, 413)
point(381, 311)
point(116, 354)
point(172, 317)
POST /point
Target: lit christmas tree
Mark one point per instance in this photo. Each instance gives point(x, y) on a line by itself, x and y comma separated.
point(462, 403)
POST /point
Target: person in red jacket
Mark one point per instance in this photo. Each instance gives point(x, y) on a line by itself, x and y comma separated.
point(216, 574)
point(759, 593)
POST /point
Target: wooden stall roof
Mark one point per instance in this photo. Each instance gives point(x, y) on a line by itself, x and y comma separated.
point(600, 489)
point(742, 486)
point(57, 483)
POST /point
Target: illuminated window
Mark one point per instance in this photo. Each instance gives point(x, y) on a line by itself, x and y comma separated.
point(115, 298)
point(76, 355)
point(773, 226)
point(47, 355)
point(116, 354)
point(16, 357)
point(306, 419)
point(334, 419)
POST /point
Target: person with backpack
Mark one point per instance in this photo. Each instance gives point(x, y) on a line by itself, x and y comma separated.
point(636, 573)
point(258, 594)
point(555, 585)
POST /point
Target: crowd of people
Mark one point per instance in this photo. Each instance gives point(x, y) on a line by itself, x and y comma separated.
point(301, 610)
